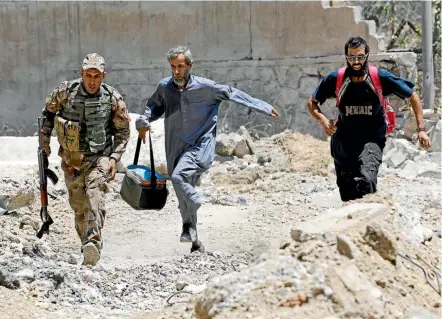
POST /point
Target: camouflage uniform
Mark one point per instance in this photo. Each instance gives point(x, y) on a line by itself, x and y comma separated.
point(86, 170)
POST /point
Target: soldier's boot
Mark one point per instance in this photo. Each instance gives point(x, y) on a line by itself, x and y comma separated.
point(91, 254)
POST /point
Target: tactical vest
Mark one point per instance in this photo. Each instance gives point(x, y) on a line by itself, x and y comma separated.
point(91, 114)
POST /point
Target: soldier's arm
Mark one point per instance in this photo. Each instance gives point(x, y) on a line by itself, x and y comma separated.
point(53, 103)
point(121, 121)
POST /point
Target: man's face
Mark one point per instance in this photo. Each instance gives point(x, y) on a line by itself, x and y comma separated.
point(92, 79)
point(180, 69)
point(357, 59)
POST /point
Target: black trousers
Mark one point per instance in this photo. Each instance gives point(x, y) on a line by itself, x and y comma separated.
point(357, 166)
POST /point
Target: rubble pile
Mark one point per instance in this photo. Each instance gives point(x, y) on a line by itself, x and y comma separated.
point(290, 247)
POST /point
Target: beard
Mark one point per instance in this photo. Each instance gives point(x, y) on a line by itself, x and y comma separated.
point(356, 73)
point(184, 78)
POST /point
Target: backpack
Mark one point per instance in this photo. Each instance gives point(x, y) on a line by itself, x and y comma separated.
point(375, 84)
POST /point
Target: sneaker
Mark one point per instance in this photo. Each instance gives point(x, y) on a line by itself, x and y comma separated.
point(91, 254)
point(189, 233)
point(197, 246)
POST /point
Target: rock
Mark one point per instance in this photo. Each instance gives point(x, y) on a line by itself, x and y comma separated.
point(245, 134)
point(223, 159)
point(435, 157)
point(38, 249)
point(28, 220)
point(346, 246)
point(6, 235)
point(7, 280)
point(180, 285)
point(232, 201)
point(399, 151)
point(420, 313)
point(232, 145)
point(435, 137)
point(301, 236)
point(337, 220)
point(381, 241)
point(264, 159)
point(231, 290)
point(241, 149)
point(412, 170)
point(427, 234)
point(4, 200)
point(218, 170)
point(72, 259)
point(15, 195)
point(298, 300)
point(225, 144)
point(353, 290)
point(26, 275)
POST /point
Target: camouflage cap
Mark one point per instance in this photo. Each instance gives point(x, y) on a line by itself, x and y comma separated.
point(94, 61)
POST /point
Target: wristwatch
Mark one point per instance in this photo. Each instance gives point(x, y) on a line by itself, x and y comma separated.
point(420, 129)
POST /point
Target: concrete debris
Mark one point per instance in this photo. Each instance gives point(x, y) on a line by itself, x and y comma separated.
point(346, 247)
point(337, 264)
point(381, 241)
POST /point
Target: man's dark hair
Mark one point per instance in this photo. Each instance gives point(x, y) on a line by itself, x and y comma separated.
point(356, 42)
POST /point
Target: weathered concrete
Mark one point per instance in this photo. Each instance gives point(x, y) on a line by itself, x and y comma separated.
point(278, 59)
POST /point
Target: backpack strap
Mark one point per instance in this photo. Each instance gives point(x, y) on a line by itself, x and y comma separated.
point(375, 79)
point(339, 82)
point(342, 83)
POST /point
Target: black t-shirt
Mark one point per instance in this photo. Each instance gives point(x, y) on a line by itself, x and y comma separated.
point(361, 115)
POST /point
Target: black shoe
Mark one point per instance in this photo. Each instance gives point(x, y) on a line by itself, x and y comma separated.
point(189, 233)
point(197, 246)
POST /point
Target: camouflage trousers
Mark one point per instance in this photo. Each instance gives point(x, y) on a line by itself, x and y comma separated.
point(87, 188)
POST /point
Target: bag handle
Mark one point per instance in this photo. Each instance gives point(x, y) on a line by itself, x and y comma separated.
point(153, 177)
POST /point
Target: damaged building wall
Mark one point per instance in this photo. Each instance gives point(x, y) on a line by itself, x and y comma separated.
point(279, 58)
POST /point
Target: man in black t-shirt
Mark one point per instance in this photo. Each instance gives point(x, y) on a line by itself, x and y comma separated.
point(359, 135)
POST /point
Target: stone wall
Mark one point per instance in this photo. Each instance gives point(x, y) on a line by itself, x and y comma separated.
point(269, 49)
point(286, 84)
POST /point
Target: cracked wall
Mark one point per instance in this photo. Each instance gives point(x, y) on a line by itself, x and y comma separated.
point(271, 50)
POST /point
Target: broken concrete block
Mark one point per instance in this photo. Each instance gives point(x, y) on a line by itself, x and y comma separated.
point(338, 220)
point(411, 170)
point(400, 151)
point(435, 157)
point(353, 290)
point(231, 145)
point(381, 241)
point(347, 247)
point(249, 140)
point(241, 149)
point(394, 158)
point(435, 136)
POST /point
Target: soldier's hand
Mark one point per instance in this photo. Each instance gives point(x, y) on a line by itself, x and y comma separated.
point(275, 114)
point(424, 140)
point(112, 168)
point(142, 133)
point(47, 148)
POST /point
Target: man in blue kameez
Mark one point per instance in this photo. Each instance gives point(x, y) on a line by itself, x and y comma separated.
point(190, 106)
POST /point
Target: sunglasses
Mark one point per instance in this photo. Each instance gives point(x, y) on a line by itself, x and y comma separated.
point(354, 58)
